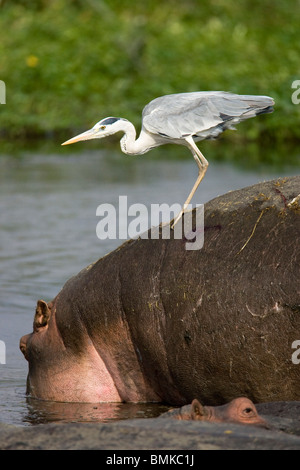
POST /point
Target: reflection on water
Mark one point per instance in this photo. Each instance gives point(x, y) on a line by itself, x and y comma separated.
point(48, 233)
point(40, 412)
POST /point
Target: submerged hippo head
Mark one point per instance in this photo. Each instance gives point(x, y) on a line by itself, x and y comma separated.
point(64, 367)
point(240, 410)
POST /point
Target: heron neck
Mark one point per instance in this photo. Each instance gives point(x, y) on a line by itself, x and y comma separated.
point(132, 146)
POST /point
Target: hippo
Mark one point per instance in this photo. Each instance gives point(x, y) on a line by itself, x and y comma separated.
point(240, 410)
point(154, 322)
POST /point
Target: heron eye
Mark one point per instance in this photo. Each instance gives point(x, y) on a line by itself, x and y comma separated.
point(102, 127)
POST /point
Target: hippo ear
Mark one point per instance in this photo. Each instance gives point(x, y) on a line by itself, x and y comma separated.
point(42, 315)
point(198, 411)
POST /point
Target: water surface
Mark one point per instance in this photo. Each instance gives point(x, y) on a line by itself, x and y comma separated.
point(48, 233)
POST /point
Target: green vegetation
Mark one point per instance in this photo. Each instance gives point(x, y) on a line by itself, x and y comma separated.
point(68, 64)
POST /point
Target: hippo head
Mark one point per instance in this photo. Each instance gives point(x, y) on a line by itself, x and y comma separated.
point(63, 362)
point(240, 410)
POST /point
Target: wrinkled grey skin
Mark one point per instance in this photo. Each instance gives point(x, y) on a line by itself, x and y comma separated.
point(152, 321)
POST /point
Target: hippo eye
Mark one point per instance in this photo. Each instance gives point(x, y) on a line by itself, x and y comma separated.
point(248, 411)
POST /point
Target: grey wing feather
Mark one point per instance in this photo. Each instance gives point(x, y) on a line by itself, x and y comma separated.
point(201, 114)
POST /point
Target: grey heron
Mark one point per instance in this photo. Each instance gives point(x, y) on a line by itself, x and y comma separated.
point(183, 118)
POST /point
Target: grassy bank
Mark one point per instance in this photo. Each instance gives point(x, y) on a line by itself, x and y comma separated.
point(68, 64)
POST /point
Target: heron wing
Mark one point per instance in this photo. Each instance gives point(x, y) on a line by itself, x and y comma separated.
point(200, 113)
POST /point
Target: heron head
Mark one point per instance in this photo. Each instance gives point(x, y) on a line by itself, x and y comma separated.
point(103, 128)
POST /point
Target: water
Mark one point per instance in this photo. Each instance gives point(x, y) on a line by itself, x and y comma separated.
point(48, 233)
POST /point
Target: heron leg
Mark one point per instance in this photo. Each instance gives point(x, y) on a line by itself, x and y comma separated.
point(202, 166)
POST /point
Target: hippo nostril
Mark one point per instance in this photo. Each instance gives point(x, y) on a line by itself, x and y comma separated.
point(23, 346)
point(23, 349)
point(24, 343)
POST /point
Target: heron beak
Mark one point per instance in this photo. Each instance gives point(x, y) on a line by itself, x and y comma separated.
point(88, 135)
